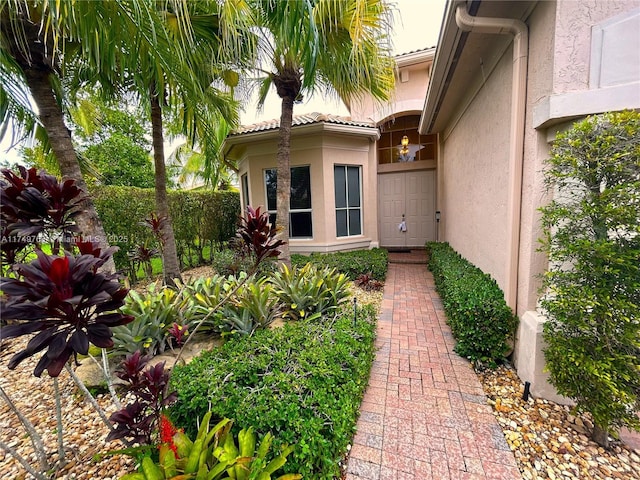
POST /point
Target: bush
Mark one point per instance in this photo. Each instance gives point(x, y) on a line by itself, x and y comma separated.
point(480, 320)
point(200, 220)
point(352, 264)
point(592, 298)
point(309, 292)
point(303, 382)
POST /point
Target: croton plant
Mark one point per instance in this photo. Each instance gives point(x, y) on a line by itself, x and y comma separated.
point(65, 300)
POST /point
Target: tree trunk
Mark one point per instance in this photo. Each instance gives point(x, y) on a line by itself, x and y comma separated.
point(600, 436)
point(170, 263)
point(51, 116)
point(283, 194)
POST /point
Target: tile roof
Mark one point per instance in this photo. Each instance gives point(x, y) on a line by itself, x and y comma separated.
point(305, 119)
point(414, 51)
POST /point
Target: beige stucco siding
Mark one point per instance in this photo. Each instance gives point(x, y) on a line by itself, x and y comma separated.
point(474, 175)
point(536, 149)
point(574, 23)
point(408, 96)
point(320, 151)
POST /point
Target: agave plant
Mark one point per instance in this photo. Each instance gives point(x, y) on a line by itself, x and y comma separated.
point(67, 300)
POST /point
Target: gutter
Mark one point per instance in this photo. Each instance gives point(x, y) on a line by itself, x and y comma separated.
point(517, 28)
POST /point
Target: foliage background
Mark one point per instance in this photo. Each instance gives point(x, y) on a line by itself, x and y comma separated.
point(200, 219)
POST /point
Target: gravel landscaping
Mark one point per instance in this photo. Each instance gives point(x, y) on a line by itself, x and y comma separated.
point(548, 442)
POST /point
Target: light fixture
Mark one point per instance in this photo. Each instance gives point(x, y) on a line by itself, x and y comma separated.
point(405, 145)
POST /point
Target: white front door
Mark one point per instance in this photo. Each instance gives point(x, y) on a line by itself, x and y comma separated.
point(412, 194)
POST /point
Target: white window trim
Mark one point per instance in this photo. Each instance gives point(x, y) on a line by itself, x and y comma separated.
point(347, 208)
point(296, 210)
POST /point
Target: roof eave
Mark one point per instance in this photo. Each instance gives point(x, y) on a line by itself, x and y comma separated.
point(445, 56)
point(360, 130)
point(413, 58)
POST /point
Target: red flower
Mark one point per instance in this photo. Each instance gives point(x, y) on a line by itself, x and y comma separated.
point(167, 431)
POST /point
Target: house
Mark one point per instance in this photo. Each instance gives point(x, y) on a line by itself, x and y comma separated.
point(458, 155)
point(355, 180)
point(506, 77)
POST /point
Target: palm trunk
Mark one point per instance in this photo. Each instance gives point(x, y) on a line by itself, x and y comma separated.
point(51, 116)
point(170, 263)
point(283, 194)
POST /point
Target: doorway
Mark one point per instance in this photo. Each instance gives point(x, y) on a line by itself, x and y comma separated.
point(412, 194)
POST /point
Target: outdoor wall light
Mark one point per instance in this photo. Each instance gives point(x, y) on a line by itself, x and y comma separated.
point(405, 145)
point(438, 216)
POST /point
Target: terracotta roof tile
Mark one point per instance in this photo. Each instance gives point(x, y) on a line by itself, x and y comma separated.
point(304, 119)
point(414, 51)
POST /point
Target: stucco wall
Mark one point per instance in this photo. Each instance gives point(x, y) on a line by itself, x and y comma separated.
point(321, 151)
point(411, 87)
point(474, 175)
point(572, 52)
point(536, 149)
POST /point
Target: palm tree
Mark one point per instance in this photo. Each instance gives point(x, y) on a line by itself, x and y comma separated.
point(118, 44)
point(30, 61)
point(202, 31)
point(204, 161)
point(341, 46)
point(37, 39)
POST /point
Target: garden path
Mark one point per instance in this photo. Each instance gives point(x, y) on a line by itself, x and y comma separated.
point(424, 415)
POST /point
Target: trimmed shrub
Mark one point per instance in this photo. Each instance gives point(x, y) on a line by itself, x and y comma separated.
point(480, 319)
point(591, 233)
point(352, 264)
point(200, 220)
point(303, 382)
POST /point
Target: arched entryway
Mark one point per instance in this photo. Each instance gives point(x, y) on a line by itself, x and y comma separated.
point(406, 184)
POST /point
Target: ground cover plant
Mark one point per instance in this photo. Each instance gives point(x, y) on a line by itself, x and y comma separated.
point(592, 286)
point(353, 264)
point(480, 320)
point(303, 382)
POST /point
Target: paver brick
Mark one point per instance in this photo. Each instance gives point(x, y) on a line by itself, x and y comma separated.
point(424, 415)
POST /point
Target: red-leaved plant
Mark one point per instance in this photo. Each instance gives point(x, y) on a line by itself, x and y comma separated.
point(156, 224)
point(139, 420)
point(33, 203)
point(67, 300)
point(179, 333)
point(258, 235)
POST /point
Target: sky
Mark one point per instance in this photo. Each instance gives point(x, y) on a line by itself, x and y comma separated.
point(416, 26)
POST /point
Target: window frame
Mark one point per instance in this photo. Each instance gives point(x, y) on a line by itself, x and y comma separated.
point(244, 188)
point(348, 208)
point(272, 212)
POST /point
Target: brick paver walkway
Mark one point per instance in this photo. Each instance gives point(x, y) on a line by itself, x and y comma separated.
point(424, 415)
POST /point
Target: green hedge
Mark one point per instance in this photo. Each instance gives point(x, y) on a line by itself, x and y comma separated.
point(480, 319)
point(200, 219)
point(303, 382)
point(352, 264)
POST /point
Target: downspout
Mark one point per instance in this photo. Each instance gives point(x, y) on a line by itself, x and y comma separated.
point(518, 29)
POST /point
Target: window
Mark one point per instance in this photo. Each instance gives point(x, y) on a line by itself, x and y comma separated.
point(300, 225)
point(348, 200)
point(400, 142)
point(244, 180)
